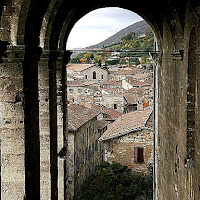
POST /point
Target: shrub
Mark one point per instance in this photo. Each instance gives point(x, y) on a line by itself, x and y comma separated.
point(116, 182)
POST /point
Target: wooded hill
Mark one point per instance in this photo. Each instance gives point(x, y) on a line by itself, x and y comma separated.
point(139, 28)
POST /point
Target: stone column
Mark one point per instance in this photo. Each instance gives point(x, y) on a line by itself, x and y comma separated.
point(12, 124)
point(66, 59)
point(53, 124)
point(31, 120)
point(62, 121)
point(60, 126)
point(45, 179)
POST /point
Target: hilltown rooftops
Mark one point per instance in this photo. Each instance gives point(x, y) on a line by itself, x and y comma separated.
point(124, 72)
point(78, 83)
point(109, 114)
point(78, 115)
point(127, 123)
point(79, 67)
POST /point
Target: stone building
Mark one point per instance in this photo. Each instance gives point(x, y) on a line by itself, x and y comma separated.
point(33, 111)
point(89, 72)
point(84, 151)
point(114, 99)
point(123, 74)
point(83, 91)
point(129, 140)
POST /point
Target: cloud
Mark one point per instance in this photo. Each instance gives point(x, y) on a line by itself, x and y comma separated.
point(98, 25)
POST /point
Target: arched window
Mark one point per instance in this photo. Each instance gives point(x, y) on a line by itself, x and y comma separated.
point(94, 75)
point(191, 97)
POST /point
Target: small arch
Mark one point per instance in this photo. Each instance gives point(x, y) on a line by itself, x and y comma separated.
point(94, 75)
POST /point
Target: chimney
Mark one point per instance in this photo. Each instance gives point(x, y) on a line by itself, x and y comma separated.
point(140, 107)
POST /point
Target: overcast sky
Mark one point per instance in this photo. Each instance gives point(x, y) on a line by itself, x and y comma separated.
point(98, 25)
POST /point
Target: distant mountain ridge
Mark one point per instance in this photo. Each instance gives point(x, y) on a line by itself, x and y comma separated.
point(138, 27)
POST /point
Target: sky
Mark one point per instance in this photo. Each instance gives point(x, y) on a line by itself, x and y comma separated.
point(98, 25)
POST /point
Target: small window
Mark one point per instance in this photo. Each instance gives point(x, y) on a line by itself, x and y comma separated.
point(71, 90)
point(115, 106)
point(139, 154)
point(79, 90)
point(102, 76)
point(94, 75)
point(86, 77)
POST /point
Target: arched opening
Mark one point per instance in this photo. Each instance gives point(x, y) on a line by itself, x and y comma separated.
point(94, 75)
point(129, 59)
point(191, 97)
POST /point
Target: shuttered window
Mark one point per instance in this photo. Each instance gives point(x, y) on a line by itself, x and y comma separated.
point(139, 154)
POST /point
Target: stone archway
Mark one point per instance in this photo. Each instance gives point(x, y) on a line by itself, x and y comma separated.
point(26, 98)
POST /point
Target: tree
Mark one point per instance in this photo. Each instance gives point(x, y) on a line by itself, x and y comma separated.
point(116, 182)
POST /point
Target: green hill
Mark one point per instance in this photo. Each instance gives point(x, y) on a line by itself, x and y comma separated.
point(139, 28)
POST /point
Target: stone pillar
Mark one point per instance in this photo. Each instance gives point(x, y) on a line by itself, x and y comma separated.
point(60, 127)
point(66, 59)
point(12, 124)
point(62, 121)
point(31, 120)
point(45, 179)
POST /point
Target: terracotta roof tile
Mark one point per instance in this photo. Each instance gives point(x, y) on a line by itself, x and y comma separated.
point(127, 123)
point(79, 67)
point(109, 114)
point(123, 72)
point(79, 115)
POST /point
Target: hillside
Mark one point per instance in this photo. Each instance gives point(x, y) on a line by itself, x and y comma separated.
point(139, 28)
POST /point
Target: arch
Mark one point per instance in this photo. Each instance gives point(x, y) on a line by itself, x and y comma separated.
point(191, 96)
point(94, 75)
point(47, 22)
point(22, 20)
point(79, 12)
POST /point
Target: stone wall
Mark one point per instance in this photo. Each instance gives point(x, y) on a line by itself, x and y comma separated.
point(22, 104)
point(121, 150)
point(12, 127)
point(177, 171)
point(84, 154)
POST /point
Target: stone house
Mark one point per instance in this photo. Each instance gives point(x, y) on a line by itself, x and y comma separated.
point(123, 74)
point(108, 114)
point(114, 99)
point(129, 140)
point(79, 90)
point(84, 150)
point(90, 72)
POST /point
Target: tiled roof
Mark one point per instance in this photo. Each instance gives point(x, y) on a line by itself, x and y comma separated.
point(101, 124)
point(126, 123)
point(123, 72)
point(78, 115)
point(113, 82)
point(80, 83)
point(113, 91)
point(131, 98)
point(109, 114)
point(135, 83)
point(79, 67)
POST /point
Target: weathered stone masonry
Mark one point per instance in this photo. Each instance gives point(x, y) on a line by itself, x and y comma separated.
point(33, 36)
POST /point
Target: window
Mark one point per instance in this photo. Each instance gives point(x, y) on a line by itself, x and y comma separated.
point(115, 106)
point(102, 76)
point(94, 75)
point(79, 90)
point(71, 90)
point(139, 154)
point(86, 77)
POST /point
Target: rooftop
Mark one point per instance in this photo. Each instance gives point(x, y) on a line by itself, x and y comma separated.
point(109, 114)
point(79, 67)
point(127, 123)
point(78, 115)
